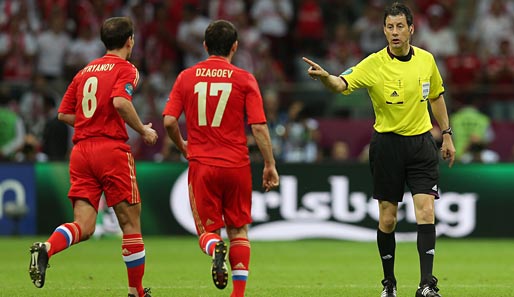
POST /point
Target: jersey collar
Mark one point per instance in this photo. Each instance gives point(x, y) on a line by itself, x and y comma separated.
point(402, 58)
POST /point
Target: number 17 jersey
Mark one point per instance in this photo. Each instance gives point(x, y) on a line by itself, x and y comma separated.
point(218, 100)
point(90, 95)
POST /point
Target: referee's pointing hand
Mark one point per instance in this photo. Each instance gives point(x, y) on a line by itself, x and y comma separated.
point(315, 71)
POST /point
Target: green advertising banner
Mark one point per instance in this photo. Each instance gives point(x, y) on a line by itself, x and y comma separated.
point(313, 201)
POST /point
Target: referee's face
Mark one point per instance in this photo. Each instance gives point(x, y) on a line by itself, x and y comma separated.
point(398, 34)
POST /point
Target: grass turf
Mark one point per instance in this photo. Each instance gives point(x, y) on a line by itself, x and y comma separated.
point(176, 267)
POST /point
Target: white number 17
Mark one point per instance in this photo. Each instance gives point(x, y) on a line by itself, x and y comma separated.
point(215, 88)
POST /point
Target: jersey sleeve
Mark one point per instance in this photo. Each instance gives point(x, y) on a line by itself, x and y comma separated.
point(175, 104)
point(360, 76)
point(69, 99)
point(253, 105)
point(436, 81)
point(127, 81)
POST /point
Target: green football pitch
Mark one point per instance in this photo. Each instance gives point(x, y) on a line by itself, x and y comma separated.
point(176, 267)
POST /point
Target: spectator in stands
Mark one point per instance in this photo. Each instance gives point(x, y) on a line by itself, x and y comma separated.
point(32, 106)
point(464, 73)
point(249, 40)
point(273, 18)
point(56, 140)
point(228, 10)
point(301, 135)
point(17, 52)
point(340, 151)
point(499, 71)
point(495, 25)
point(340, 11)
point(86, 47)
point(269, 71)
point(478, 152)
point(343, 52)
point(473, 126)
point(12, 130)
point(53, 44)
point(276, 120)
point(437, 37)
point(190, 35)
point(160, 43)
point(368, 28)
point(310, 30)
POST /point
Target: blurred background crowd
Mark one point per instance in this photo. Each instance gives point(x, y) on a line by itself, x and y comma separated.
point(43, 43)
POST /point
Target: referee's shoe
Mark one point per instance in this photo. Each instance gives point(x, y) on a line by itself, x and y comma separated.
point(389, 288)
point(428, 289)
point(38, 263)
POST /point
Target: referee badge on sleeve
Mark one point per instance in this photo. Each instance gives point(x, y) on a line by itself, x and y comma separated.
point(425, 90)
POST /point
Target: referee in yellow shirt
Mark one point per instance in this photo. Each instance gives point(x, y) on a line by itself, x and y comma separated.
point(401, 79)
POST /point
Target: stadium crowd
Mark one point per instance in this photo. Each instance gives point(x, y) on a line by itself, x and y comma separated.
point(43, 43)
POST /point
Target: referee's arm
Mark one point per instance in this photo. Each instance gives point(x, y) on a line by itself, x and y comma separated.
point(441, 116)
point(334, 83)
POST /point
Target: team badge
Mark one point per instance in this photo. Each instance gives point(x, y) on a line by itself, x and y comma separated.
point(129, 89)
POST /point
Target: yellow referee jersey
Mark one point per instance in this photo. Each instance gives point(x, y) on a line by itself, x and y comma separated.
point(399, 90)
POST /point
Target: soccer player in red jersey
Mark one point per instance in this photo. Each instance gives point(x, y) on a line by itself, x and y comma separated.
point(217, 99)
point(97, 104)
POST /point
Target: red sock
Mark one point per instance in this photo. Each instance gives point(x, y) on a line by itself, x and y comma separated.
point(63, 237)
point(208, 241)
point(239, 257)
point(133, 251)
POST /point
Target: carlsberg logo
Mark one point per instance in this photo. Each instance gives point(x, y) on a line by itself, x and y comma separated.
point(336, 213)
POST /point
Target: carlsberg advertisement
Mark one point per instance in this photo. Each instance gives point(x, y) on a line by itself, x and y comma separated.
point(313, 201)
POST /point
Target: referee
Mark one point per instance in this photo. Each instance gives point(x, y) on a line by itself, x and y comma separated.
point(401, 80)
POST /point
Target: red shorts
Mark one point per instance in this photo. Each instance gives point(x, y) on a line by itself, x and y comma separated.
point(103, 165)
point(220, 196)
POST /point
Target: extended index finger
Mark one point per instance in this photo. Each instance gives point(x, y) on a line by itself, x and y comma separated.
point(309, 61)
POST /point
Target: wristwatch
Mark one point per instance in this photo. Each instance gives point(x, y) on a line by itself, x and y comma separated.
point(447, 131)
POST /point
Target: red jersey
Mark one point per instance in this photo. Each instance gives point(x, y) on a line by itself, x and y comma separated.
point(216, 97)
point(90, 94)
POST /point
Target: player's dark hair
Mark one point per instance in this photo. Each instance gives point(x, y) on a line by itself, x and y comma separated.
point(398, 8)
point(220, 35)
point(115, 31)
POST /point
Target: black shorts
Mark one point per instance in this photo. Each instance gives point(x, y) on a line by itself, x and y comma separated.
point(397, 161)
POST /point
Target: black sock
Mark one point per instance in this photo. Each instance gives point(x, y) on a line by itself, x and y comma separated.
point(386, 247)
point(426, 251)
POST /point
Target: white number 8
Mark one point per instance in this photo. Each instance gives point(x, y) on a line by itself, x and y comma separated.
point(89, 99)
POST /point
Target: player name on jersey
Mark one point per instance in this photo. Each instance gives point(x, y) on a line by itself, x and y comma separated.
point(98, 67)
point(214, 72)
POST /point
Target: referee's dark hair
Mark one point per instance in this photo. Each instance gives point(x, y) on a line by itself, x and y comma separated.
point(115, 31)
point(220, 35)
point(398, 8)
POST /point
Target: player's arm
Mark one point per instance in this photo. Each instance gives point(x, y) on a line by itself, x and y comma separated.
point(270, 177)
point(66, 118)
point(331, 82)
point(440, 113)
point(129, 115)
point(173, 130)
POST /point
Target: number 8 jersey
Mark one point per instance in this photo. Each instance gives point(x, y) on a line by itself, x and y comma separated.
point(90, 95)
point(218, 99)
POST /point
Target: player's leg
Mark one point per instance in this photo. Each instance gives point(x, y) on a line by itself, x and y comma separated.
point(239, 258)
point(205, 200)
point(237, 214)
point(84, 194)
point(132, 246)
point(62, 238)
point(121, 192)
